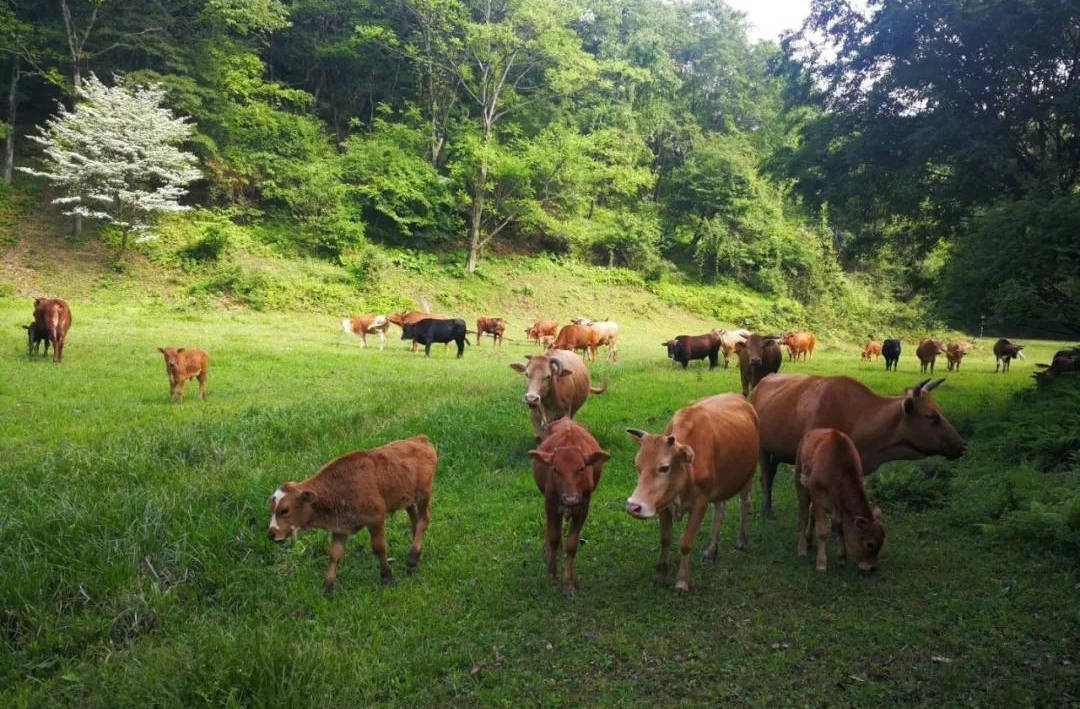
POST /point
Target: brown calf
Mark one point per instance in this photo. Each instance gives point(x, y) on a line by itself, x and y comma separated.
point(829, 481)
point(567, 468)
point(955, 352)
point(872, 350)
point(490, 326)
point(543, 332)
point(184, 364)
point(52, 317)
point(364, 325)
point(360, 489)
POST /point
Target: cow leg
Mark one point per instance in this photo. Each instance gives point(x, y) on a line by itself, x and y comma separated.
point(420, 516)
point(427, 349)
point(769, 464)
point(337, 550)
point(202, 385)
point(382, 340)
point(685, 363)
point(552, 536)
point(378, 547)
point(667, 520)
point(573, 537)
point(744, 514)
point(363, 340)
point(686, 544)
point(180, 389)
point(714, 533)
point(712, 361)
point(460, 347)
point(838, 534)
point(802, 528)
point(821, 529)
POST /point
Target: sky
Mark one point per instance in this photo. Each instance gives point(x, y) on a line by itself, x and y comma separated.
point(771, 17)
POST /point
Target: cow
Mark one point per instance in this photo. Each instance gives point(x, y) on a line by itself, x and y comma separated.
point(685, 348)
point(607, 333)
point(495, 327)
point(884, 428)
point(429, 331)
point(557, 385)
point(759, 356)
point(567, 468)
point(927, 352)
point(541, 331)
point(52, 316)
point(706, 455)
point(574, 337)
point(955, 352)
point(1005, 352)
point(729, 340)
point(799, 344)
point(411, 318)
point(872, 350)
point(1064, 362)
point(364, 325)
point(34, 338)
point(361, 489)
point(829, 481)
point(890, 350)
point(183, 365)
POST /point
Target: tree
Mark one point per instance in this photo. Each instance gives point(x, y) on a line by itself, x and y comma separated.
point(115, 156)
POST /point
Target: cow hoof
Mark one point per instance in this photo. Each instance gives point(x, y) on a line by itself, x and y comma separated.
point(569, 593)
point(820, 568)
point(389, 581)
point(328, 589)
point(682, 587)
point(740, 546)
point(708, 556)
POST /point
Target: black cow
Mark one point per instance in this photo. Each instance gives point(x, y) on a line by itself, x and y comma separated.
point(34, 337)
point(685, 348)
point(670, 345)
point(759, 356)
point(428, 331)
point(890, 350)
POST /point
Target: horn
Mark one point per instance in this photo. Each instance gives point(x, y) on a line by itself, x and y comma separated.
point(934, 385)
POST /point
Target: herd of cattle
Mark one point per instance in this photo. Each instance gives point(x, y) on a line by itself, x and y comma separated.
point(834, 430)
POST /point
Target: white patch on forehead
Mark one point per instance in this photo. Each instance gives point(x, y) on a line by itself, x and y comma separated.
point(278, 494)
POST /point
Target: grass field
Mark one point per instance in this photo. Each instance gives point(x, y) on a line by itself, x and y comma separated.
point(137, 572)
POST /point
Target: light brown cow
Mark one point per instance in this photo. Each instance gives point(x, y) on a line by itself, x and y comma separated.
point(495, 327)
point(364, 325)
point(52, 318)
point(829, 481)
point(705, 456)
point(729, 342)
point(567, 468)
point(927, 352)
point(799, 344)
point(543, 332)
point(955, 352)
point(183, 365)
point(360, 489)
point(412, 317)
point(884, 428)
point(557, 385)
point(607, 333)
point(872, 350)
point(575, 337)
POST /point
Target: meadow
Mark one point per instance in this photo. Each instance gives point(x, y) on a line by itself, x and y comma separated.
point(137, 572)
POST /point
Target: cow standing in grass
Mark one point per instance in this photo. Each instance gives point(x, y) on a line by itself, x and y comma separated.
point(890, 350)
point(927, 352)
point(34, 338)
point(364, 325)
point(759, 356)
point(1005, 352)
point(872, 350)
point(557, 385)
point(496, 327)
point(183, 365)
point(52, 319)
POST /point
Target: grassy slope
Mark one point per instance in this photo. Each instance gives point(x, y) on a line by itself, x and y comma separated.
point(137, 572)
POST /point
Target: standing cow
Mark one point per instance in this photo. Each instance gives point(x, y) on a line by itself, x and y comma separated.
point(557, 385)
point(183, 365)
point(955, 353)
point(890, 350)
point(411, 318)
point(607, 333)
point(428, 332)
point(34, 338)
point(52, 316)
point(759, 356)
point(574, 337)
point(872, 350)
point(364, 325)
point(496, 327)
point(1005, 352)
point(543, 332)
point(685, 348)
point(927, 352)
point(705, 456)
point(799, 344)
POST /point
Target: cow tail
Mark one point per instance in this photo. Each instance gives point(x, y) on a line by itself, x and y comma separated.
point(54, 326)
point(600, 389)
point(467, 341)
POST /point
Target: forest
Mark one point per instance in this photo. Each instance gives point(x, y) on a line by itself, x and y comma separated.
point(925, 151)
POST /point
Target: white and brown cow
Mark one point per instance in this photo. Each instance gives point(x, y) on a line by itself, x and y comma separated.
point(364, 325)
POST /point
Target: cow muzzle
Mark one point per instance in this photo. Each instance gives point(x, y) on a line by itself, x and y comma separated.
point(570, 500)
point(640, 510)
point(532, 400)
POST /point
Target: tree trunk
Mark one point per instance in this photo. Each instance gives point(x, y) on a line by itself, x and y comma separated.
point(477, 215)
point(9, 144)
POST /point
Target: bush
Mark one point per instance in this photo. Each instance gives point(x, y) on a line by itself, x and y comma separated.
point(210, 247)
point(366, 266)
point(917, 488)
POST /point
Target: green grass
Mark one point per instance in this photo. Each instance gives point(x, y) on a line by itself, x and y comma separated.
point(137, 572)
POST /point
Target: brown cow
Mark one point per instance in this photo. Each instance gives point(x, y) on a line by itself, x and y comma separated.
point(759, 356)
point(575, 337)
point(955, 352)
point(685, 348)
point(927, 352)
point(412, 317)
point(541, 331)
point(360, 489)
point(495, 327)
point(364, 325)
point(182, 365)
point(829, 480)
point(1064, 362)
point(52, 316)
point(799, 344)
point(607, 333)
point(558, 385)
point(705, 456)
point(567, 468)
point(884, 428)
point(872, 350)
point(1005, 352)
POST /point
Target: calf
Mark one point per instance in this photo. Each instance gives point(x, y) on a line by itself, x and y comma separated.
point(567, 468)
point(427, 332)
point(557, 385)
point(890, 350)
point(52, 316)
point(927, 352)
point(872, 349)
point(360, 489)
point(541, 331)
point(799, 344)
point(706, 455)
point(829, 481)
point(955, 352)
point(576, 337)
point(182, 365)
point(1005, 352)
point(364, 325)
point(495, 327)
point(759, 356)
point(34, 338)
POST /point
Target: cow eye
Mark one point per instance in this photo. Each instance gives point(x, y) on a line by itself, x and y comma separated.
point(283, 513)
point(934, 419)
point(664, 468)
point(870, 546)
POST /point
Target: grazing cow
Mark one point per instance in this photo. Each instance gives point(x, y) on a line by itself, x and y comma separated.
point(541, 330)
point(829, 481)
point(685, 348)
point(884, 428)
point(567, 468)
point(927, 352)
point(891, 352)
point(428, 331)
point(759, 356)
point(495, 327)
point(872, 349)
point(557, 386)
point(182, 365)
point(607, 333)
point(364, 325)
point(1063, 362)
point(575, 337)
point(411, 318)
point(361, 489)
point(34, 338)
point(799, 344)
point(729, 340)
point(1005, 352)
point(52, 316)
point(705, 456)
point(955, 352)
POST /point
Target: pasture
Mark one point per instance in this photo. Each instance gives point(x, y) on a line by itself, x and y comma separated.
point(137, 571)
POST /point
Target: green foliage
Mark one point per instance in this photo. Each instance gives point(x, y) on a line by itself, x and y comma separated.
point(211, 247)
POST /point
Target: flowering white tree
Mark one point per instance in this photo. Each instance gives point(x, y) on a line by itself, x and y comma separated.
point(115, 156)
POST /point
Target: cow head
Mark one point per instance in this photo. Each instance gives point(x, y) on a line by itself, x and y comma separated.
point(863, 539)
point(663, 467)
point(569, 472)
point(752, 349)
point(924, 431)
point(290, 511)
point(539, 372)
point(172, 359)
point(408, 332)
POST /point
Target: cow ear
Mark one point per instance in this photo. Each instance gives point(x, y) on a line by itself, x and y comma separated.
point(636, 433)
point(307, 496)
point(740, 346)
point(861, 523)
point(542, 456)
point(598, 458)
point(517, 366)
point(685, 452)
point(161, 350)
point(178, 351)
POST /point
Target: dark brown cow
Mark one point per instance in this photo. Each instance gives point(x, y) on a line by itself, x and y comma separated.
point(183, 365)
point(799, 344)
point(1005, 352)
point(567, 468)
point(52, 316)
point(872, 350)
point(575, 337)
point(541, 331)
point(34, 338)
point(884, 428)
point(927, 352)
point(495, 327)
point(558, 385)
point(1064, 361)
point(759, 356)
point(361, 489)
point(686, 348)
